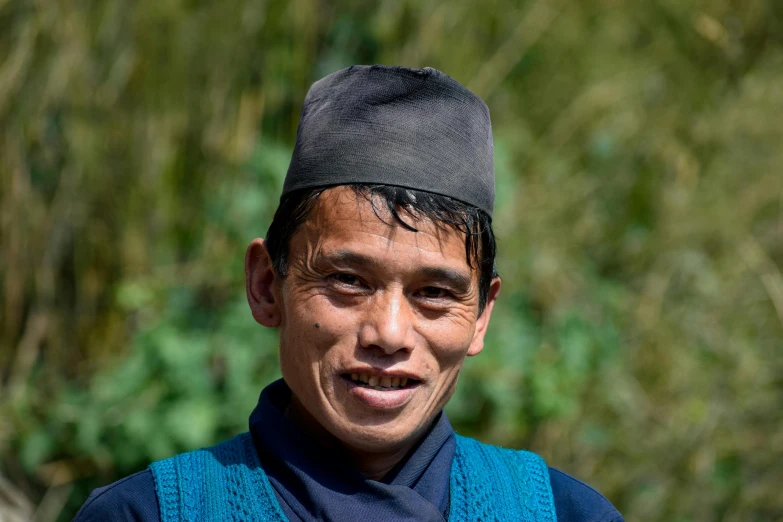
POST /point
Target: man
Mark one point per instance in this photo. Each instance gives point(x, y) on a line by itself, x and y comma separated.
point(378, 272)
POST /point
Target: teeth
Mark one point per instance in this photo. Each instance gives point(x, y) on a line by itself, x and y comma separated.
point(380, 383)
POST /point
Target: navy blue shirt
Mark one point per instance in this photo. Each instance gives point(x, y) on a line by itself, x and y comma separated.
point(307, 482)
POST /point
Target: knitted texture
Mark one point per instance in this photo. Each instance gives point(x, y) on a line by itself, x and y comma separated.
point(226, 483)
point(222, 483)
point(489, 483)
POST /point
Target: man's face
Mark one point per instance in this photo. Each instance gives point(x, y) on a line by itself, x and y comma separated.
point(375, 321)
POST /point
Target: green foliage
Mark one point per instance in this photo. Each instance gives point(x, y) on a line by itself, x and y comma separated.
point(637, 341)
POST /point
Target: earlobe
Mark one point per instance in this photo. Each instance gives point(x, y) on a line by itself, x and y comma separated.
point(476, 347)
point(260, 280)
point(483, 321)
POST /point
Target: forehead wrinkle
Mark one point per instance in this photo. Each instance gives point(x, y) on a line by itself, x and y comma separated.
point(342, 203)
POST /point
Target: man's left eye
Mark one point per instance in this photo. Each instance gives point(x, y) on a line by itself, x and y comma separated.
point(433, 292)
point(347, 279)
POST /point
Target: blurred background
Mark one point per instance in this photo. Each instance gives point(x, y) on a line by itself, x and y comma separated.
point(638, 343)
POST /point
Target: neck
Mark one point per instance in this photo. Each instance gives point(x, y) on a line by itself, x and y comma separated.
point(373, 465)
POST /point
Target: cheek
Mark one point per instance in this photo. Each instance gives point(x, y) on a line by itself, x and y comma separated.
point(451, 341)
point(313, 326)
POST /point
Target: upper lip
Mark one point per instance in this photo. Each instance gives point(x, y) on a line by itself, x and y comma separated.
point(369, 370)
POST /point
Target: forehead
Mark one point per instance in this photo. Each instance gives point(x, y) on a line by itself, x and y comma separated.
point(342, 219)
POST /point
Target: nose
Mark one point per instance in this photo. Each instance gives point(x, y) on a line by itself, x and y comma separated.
point(389, 323)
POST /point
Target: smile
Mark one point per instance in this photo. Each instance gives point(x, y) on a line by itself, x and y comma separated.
point(381, 392)
point(380, 383)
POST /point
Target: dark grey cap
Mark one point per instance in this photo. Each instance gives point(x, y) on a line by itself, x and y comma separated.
point(413, 128)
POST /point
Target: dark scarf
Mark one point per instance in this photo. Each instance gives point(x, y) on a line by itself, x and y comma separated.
point(312, 483)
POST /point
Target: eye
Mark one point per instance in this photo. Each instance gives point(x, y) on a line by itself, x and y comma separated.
point(348, 284)
point(434, 292)
point(346, 279)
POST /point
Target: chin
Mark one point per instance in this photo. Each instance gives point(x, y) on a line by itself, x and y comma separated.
point(380, 432)
point(374, 439)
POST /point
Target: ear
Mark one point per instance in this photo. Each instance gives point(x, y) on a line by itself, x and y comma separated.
point(260, 281)
point(483, 321)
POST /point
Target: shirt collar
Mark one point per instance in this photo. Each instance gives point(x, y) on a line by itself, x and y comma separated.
point(314, 483)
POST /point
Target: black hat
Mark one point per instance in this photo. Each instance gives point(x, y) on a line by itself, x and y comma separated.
point(413, 128)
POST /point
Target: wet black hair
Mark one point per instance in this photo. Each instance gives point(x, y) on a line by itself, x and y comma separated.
point(406, 206)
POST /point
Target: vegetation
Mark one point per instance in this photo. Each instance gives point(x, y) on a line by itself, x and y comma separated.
point(638, 343)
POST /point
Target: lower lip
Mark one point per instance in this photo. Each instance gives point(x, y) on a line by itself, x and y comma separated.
point(381, 400)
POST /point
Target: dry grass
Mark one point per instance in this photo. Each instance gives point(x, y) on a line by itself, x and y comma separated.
point(640, 216)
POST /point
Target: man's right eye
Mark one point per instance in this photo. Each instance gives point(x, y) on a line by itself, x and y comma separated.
point(347, 279)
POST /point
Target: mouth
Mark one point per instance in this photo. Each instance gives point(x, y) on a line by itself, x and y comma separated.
point(381, 382)
point(381, 391)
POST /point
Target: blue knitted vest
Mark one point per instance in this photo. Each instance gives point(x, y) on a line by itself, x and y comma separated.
point(226, 483)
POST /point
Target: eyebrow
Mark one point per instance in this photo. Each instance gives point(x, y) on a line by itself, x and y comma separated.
point(348, 258)
point(455, 279)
